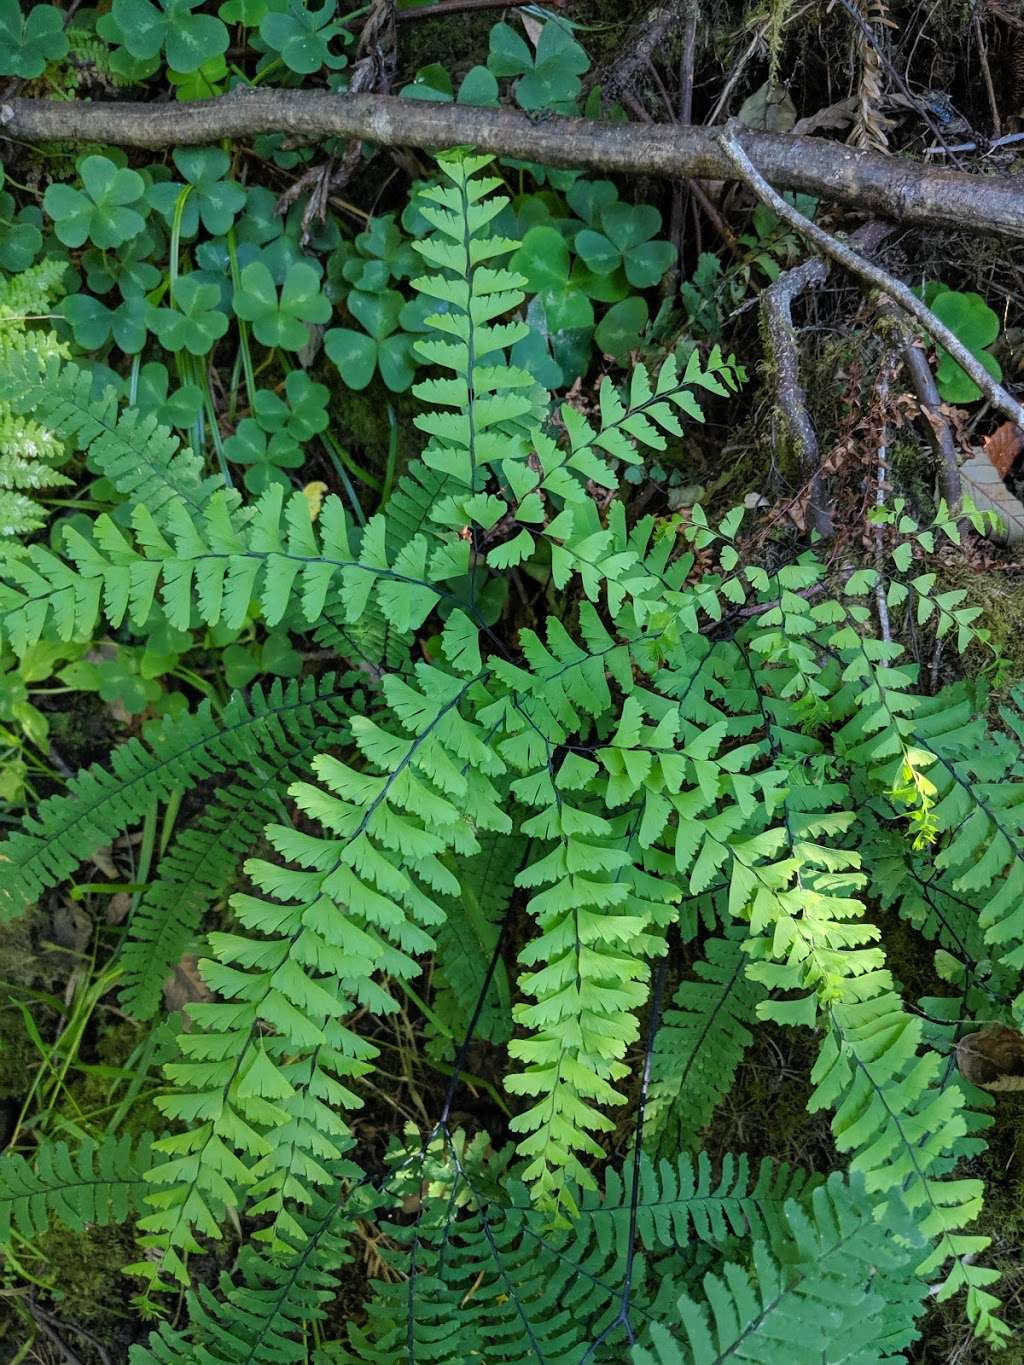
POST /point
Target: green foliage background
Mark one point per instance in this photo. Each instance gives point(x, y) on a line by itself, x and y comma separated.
point(458, 771)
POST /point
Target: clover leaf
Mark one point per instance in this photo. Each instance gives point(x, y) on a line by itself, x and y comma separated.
point(126, 268)
point(383, 241)
point(20, 237)
point(620, 329)
point(625, 240)
point(267, 460)
point(93, 323)
point(145, 27)
point(589, 198)
point(209, 198)
point(358, 355)
point(117, 680)
point(302, 37)
point(207, 80)
point(302, 414)
point(281, 321)
point(568, 315)
point(977, 326)
point(194, 322)
point(478, 87)
point(243, 662)
point(549, 77)
point(102, 210)
point(29, 41)
point(178, 409)
point(248, 12)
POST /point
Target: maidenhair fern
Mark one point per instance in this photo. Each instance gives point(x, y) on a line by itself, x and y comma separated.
point(603, 833)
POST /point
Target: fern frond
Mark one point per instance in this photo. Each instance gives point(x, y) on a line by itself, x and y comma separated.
point(467, 940)
point(264, 1076)
point(843, 1290)
point(142, 459)
point(95, 1184)
point(101, 803)
point(700, 1044)
point(257, 1313)
point(205, 859)
point(215, 566)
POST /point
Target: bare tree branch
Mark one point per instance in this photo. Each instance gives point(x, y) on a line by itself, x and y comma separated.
point(887, 187)
point(798, 434)
point(856, 265)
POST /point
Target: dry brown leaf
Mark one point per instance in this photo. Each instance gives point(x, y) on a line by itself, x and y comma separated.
point(839, 115)
point(185, 984)
point(993, 1058)
point(118, 906)
point(1003, 447)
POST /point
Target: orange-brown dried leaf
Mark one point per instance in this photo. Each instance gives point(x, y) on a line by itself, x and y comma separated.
point(1003, 447)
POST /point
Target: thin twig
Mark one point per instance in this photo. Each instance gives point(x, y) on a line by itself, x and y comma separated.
point(940, 433)
point(880, 494)
point(849, 259)
point(790, 398)
point(997, 123)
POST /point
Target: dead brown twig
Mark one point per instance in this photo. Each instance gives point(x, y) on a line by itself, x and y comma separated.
point(856, 265)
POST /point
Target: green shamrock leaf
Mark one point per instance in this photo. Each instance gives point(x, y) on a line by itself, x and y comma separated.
point(302, 37)
point(117, 680)
point(208, 79)
point(101, 211)
point(248, 12)
point(548, 78)
point(383, 242)
point(977, 326)
point(589, 198)
point(281, 321)
point(625, 241)
point(267, 459)
point(29, 41)
point(244, 662)
point(178, 409)
point(93, 323)
point(567, 314)
point(302, 416)
point(145, 27)
point(358, 355)
point(209, 198)
point(20, 235)
point(620, 329)
point(433, 82)
point(194, 322)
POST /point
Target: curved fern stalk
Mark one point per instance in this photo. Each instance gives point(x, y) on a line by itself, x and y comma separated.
point(700, 1044)
point(265, 1074)
point(205, 859)
point(96, 1184)
point(101, 803)
point(485, 1275)
point(841, 1290)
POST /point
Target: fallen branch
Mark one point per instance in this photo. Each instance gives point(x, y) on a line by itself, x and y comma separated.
point(887, 187)
point(940, 433)
point(856, 265)
point(800, 440)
